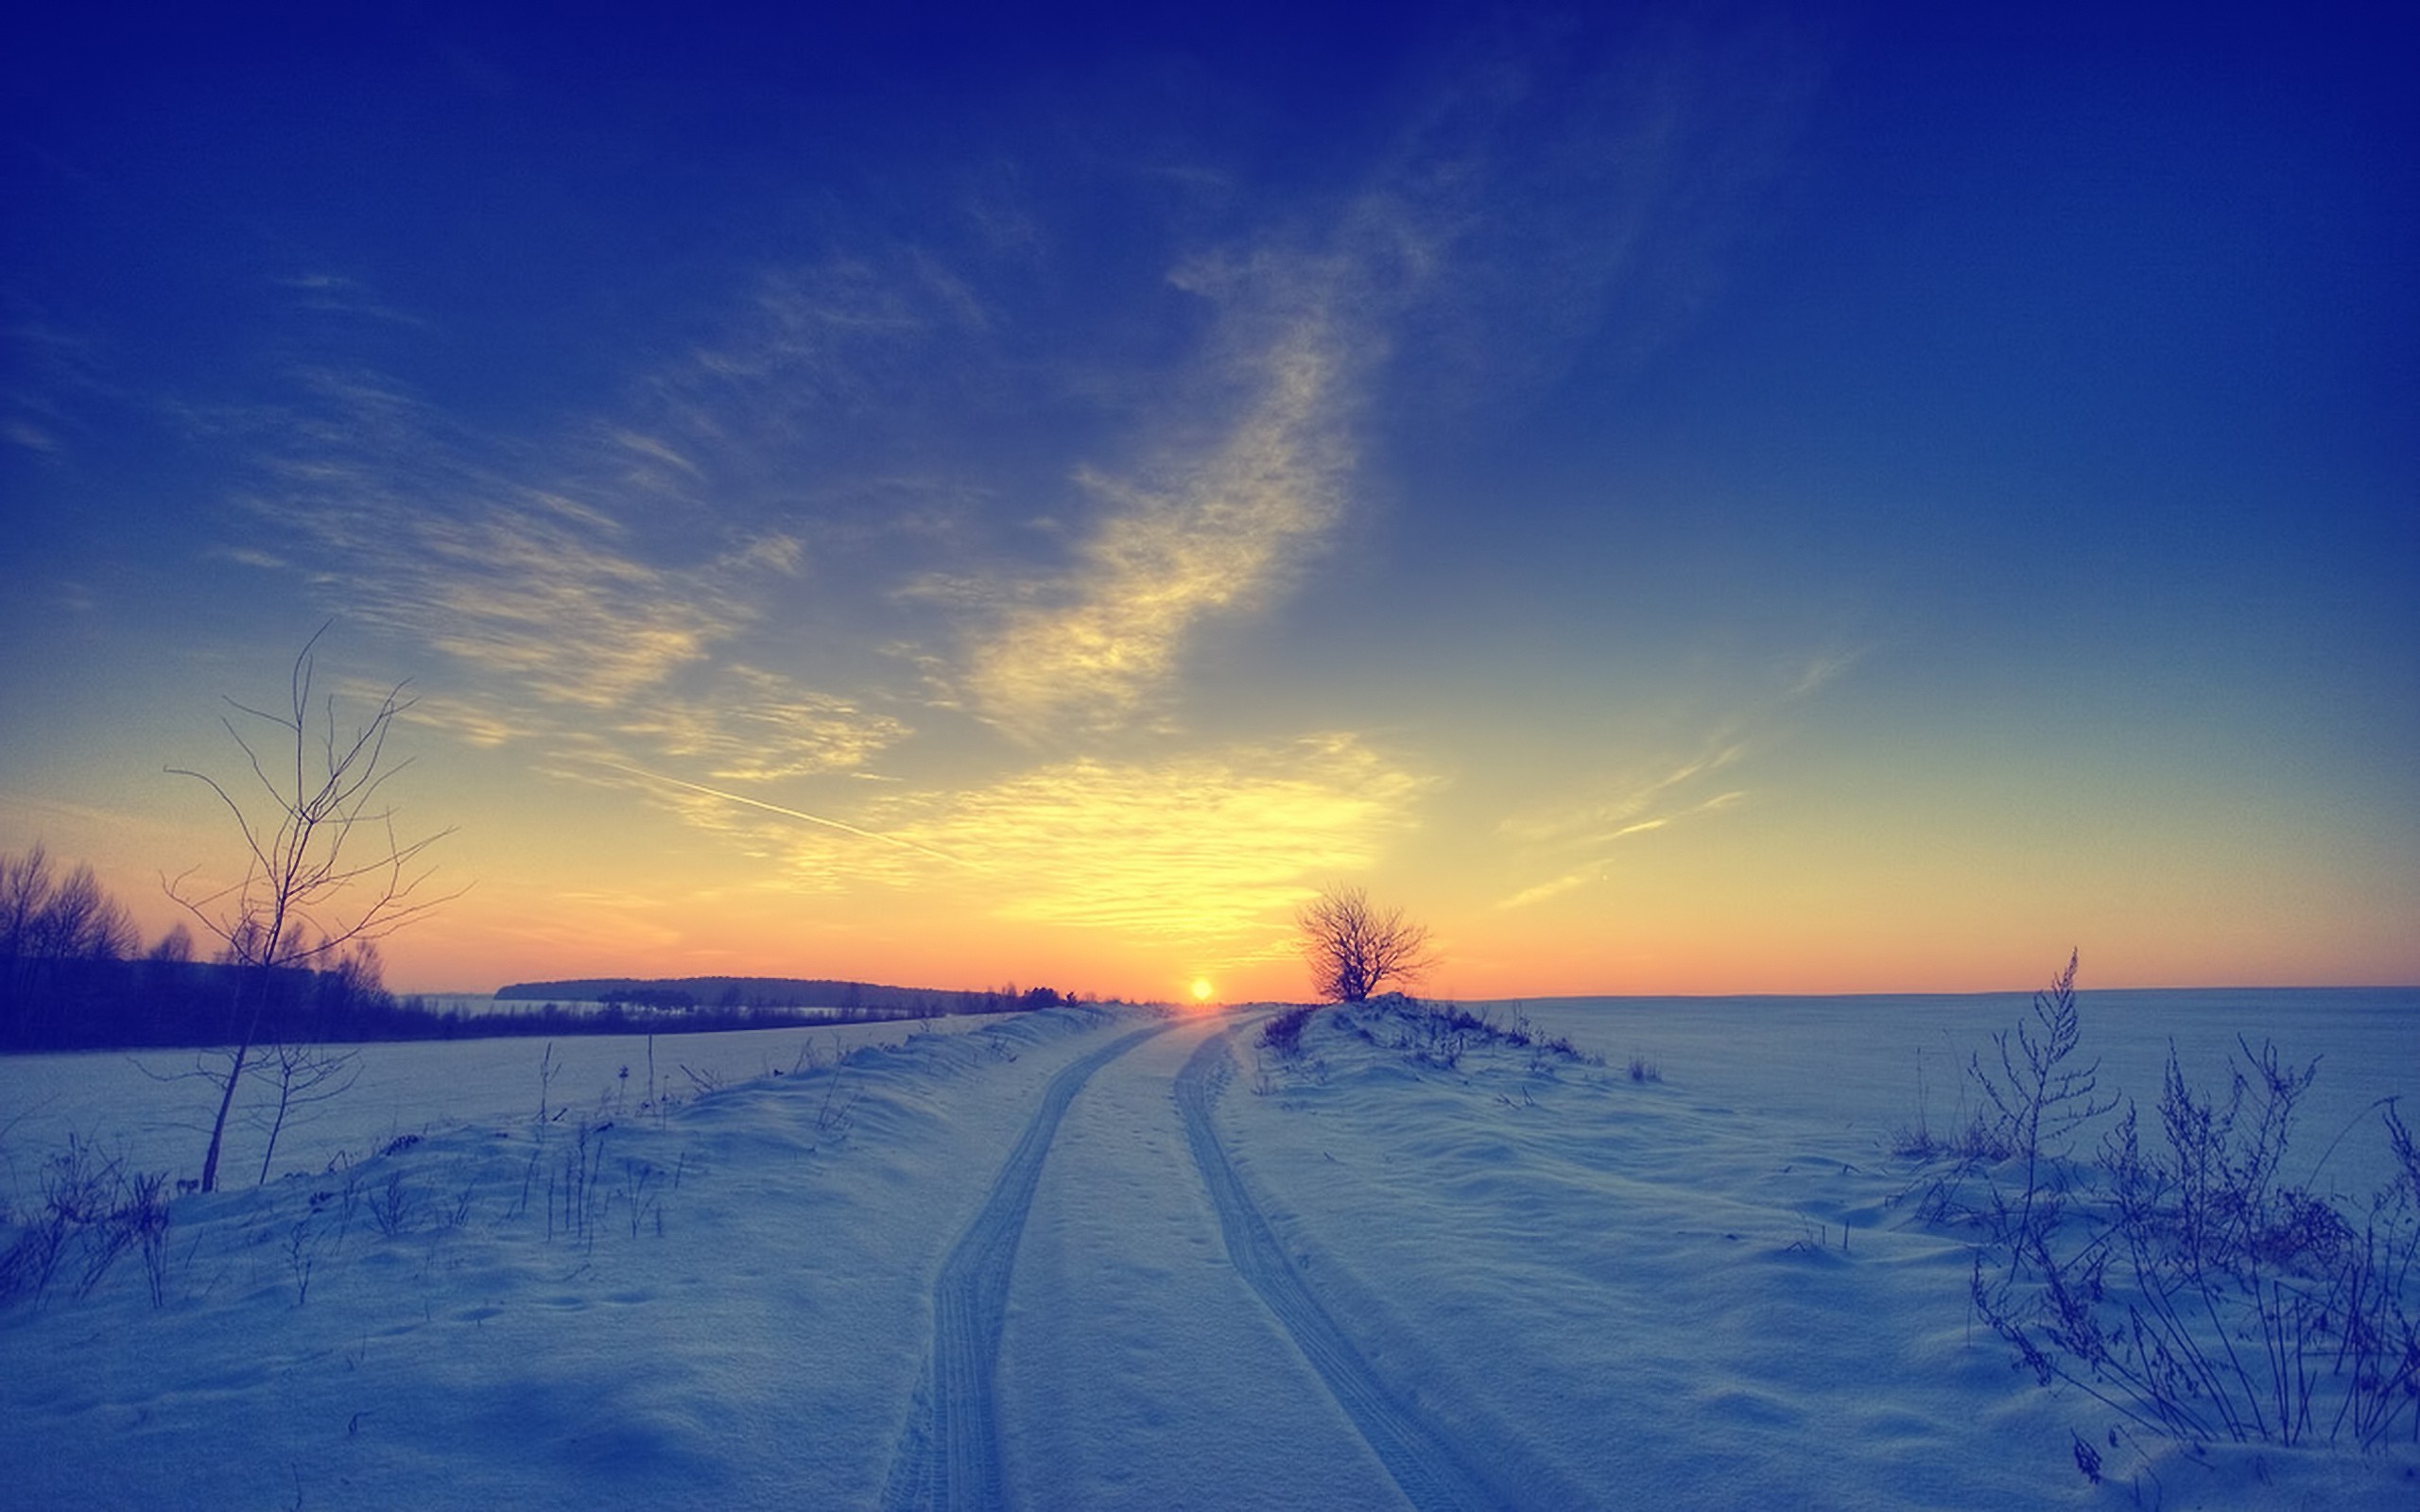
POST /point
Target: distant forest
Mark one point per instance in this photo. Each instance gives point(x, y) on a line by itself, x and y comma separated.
point(725, 993)
point(75, 975)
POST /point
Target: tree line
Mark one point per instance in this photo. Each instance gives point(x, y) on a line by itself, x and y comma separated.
point(74, 975)
point(702, 993)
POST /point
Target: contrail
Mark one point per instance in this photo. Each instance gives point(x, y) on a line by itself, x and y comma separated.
point(794, 814)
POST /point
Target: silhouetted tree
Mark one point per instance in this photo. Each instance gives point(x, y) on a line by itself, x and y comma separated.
point(25, 893)
point(60, 940)
point(323, 866)
point(1354, 950)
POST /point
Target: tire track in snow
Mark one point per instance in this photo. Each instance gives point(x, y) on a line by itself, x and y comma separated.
point(949, 1457)
point(1428, 1468)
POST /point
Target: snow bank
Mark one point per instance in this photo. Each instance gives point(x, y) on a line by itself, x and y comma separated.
point(143, 1106)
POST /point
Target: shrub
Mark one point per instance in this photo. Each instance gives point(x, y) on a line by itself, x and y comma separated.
point(391, 1205)
point(1440, 1034)
point(2033, 1106)
point(2209, 1298)
point(2181, 1281)
point(92, 1211)
point(1283, 1033)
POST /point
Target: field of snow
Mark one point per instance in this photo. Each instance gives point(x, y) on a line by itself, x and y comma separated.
point(147, 1106)
point(1120, 1258)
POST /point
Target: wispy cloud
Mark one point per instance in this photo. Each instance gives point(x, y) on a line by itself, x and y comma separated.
point(569, 614)
point(595, 563)
point(656, 450)
point(52, 384)
point(1819, 671)
point(1568, 187)
point(781, 809)
point(1554, 888)
point(339, 294)
point(547, 595)
point(1577, 836)
point(1580, 835)
point(1598, 845)
point(810, 347)
point(757, 726)
point(1624, 805)
point(1203, 532)
point(1214, 846)
point(249, 557)
point(473, 720)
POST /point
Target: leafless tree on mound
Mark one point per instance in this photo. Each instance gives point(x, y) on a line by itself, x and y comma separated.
point(324, 869)
point(1355, 950)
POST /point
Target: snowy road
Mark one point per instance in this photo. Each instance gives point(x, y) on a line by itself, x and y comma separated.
point(1118, 1321)
point(1130, 1329)
point(1420, 1452)
point(950, 1455)
point(1138, 1369)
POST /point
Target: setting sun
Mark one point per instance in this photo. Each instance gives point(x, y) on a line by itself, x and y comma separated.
point(1201, 990)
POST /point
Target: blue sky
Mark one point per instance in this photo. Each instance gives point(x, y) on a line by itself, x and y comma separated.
point(1711, 498)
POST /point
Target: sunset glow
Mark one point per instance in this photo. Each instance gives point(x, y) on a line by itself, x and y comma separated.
point(1675, 505)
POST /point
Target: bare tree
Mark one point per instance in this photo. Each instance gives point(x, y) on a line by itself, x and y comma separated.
point(175, 947)
point(24, 898)
point(83, 922)
point(49, 927)
point(1355, 950)
point(323, 866)
point(304, 1075)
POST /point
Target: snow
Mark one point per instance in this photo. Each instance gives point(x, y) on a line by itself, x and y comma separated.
point(1129, 1327)
point(1116, 1257)
point(148, 1106)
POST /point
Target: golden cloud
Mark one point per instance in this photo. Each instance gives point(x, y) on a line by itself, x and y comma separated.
point(1212, 533)
point(1214, 845)
point(758, 726)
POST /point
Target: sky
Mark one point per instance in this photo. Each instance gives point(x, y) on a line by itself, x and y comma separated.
point(1704, 498)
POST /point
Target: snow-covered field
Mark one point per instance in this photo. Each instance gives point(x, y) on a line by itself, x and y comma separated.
point(1111, 1258)
point(150, 1106)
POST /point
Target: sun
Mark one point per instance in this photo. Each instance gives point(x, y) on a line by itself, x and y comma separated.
point(1201, 990)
